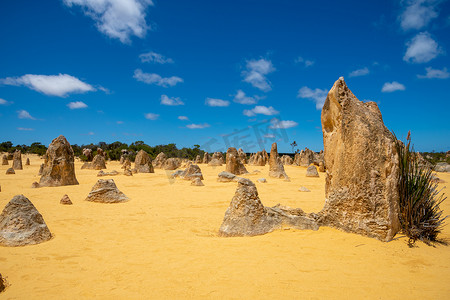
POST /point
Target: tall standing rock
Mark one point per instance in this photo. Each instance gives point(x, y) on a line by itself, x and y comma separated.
point(206, 158)
point(27, 163)
point(361, 167)
point(159, 161)
point(17, 160)
point(143, 163)
point(234, 163)
point(21, 224)
point(98, 163)
point(59, 168)
point(198, 159)
point(242, 156)
point(276, 168)
point(5, 160)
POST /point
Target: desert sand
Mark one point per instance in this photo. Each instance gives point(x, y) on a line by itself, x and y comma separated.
point(163, 244)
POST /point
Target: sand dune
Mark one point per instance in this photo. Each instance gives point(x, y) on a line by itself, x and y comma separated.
point(163, 243)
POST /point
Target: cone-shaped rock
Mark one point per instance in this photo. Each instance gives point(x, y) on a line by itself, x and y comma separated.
point(65, 200)
point(159, 161)
point(21, 224)
point(311, 171)
point(17, 160)
point(246, 215)
point(10, 171)
point(5, 160)
point(242, 156)
point(2, 284)
point(27, 162)
point(59, 166)
point(143, 163)
point(206, 158)
point(171, 164)
point(106, 191)
point(234, 163)
point(276, 168)
point(98, 163)
point(361, 194)
point(191, 172)
point(197, 182)
point(198, 159)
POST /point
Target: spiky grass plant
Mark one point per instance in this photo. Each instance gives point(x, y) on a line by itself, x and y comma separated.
point(420, 215)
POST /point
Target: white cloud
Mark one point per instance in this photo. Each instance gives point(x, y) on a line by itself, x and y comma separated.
point(359, 72)
point(25, 129)
point(151, 116)
point(153, 57)
point(435, 73)
point(318, 96)
point(256, 72)
point(241, 98)
point(172, 101)
point(23, 114)
point(277, 124)
point(119, 19)
point(4, 102)
point(77, 105)
point(421, 49)
point(261, 110)
point(198, 126)
point(183, 118)
point(217, 102)
point(151, 78)
point(269, 136)
point(417, 14)
point(390, 87)
point(53, 85)
point(306, 62)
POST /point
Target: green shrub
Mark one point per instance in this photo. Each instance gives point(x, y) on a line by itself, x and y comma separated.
point(419, 201)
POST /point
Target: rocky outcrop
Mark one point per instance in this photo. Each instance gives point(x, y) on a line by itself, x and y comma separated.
point(171, 164)
point(27, 162)
point(218, 156)
point(41, 170)
point(10, 171)
point(127, 172)
point(88, 153)
point(361, 194)
point(306, 157)
point(59, 168)
point(101, 173)
point(5, 160)
point(191, 172)
point(2, 283)
point(126, 164)
point(215, 162)
point(198, 159)
point(234, 164)
point(21, 224)
point(17, 160)
point(159, 161)
point(206, 158)
point(197, 182)
point(226, 177)
point(106, 191)
point(143, 163)
point(311, 171)
point(303, 189)
point(258, 159)
point(321, 167)
point(246, 215)
point(286, 160)
point(98, 163)
point(276, 168)
point(242, 156)
point(442, 167)
point(65, 200)
point(35, 185)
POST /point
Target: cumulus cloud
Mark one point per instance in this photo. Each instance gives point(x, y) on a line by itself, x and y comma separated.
point(359, 72)
point(241, 98)
point(217, 102)
point(151, 78)
point(25, 129)
point(4, 102)
point(172, 101)
point(390, 87)
point(256, 71)
point(118, 19)
point(306, 62)
point(417, 14)
point(151, 116)
point(183, 118)
point(23, 114)
point(318, 96)
point(435, 73)
point(278, 124)
point(77, 105)
point(260, 110)
point(421, 49)
point(153, 57)
point(198, 126)
point(53, 85)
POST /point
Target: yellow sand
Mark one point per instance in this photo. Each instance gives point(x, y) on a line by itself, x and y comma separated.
point(163, 244)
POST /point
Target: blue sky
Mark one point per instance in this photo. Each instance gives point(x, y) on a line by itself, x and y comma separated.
point(236, 73)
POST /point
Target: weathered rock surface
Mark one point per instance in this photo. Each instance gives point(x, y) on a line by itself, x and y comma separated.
point(361, 194)
point(127, 172)
point(258, 159)
point(5, 160)
point(286, 160)
point(312, 171)
point(2, 284)
point(226, 177)
point(206, 158)
point(35, 185)
point(218, 156)
point(242, 156)
point(99, 162)
point(159, 161)
point(172, 164)
point(215, 162)
point(112, 173)
point(17, 160)
point(10, 171)
point(442, 167)
point(198, 159)
point(59, 168)
point(234, 163)
point(321, 167)
point(143, 163)
point(27, 162)
point(276, 168)
point(65, 200)
point(41, 170)
point(197, 182)
point(88, 153)
point(191, 172)
point(303, 189)
point(246, 215)
point(126, 164)
point(21, 224)
point(106, 191)
point(262, 180)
